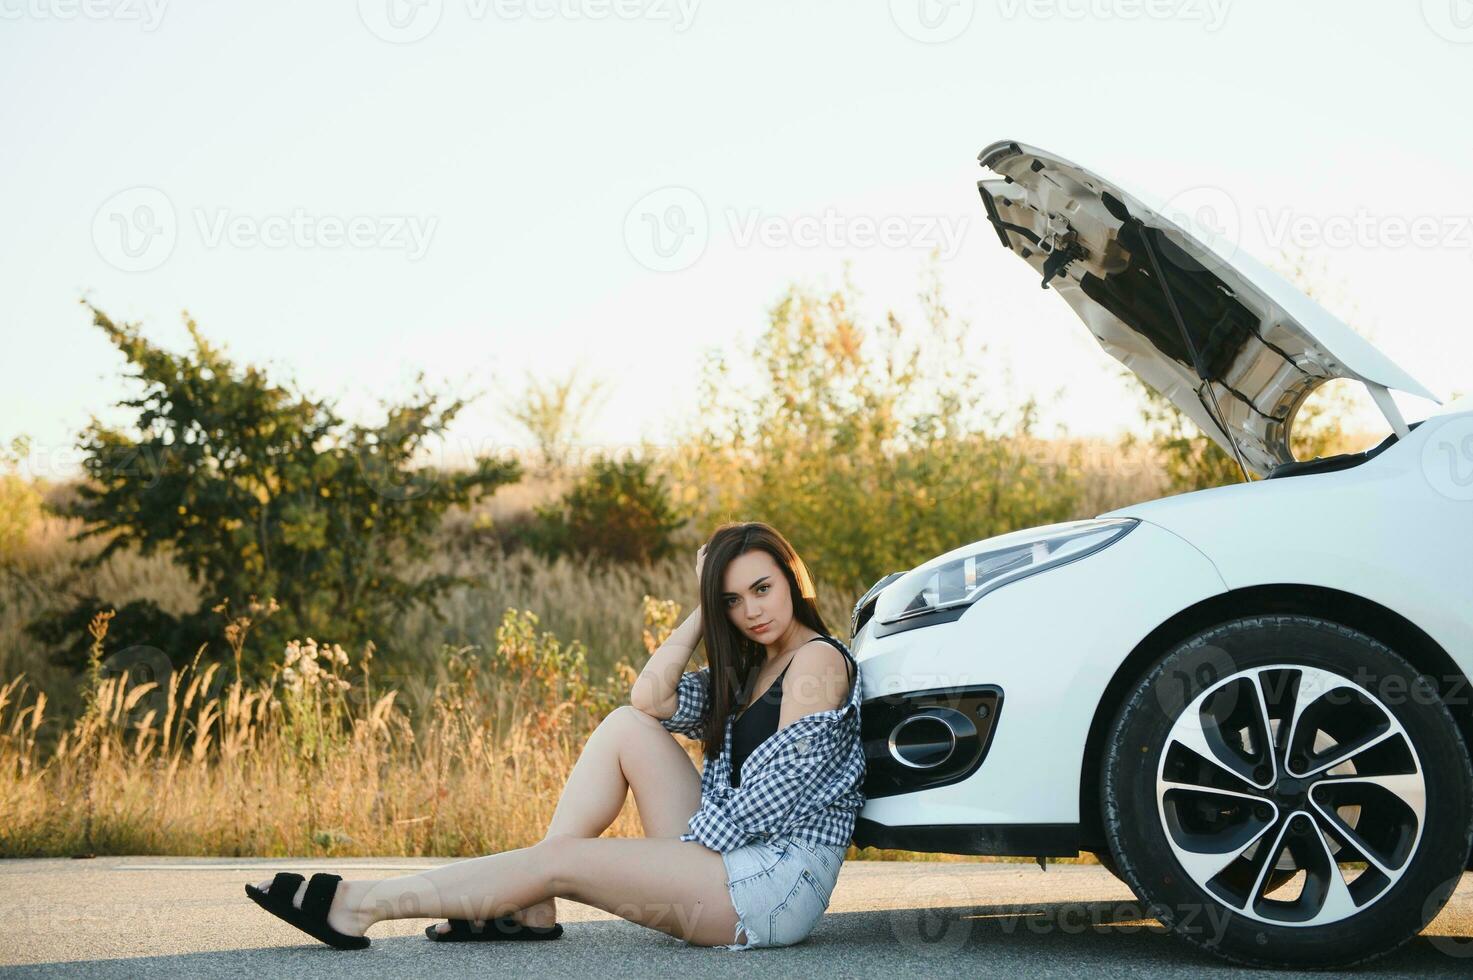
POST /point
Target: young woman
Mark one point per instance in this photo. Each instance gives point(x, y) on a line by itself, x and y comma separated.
point(743, 855)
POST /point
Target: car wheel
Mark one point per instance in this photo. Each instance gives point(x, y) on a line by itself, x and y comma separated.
point(1288, 748)
point(1277, 878)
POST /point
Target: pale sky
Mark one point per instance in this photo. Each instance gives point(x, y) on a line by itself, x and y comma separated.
point(352, 192)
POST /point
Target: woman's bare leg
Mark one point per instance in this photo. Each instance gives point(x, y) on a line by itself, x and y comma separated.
point(629, 749)
point(677, 887)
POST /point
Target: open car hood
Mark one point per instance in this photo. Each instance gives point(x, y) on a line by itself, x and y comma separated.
point(1255, 347)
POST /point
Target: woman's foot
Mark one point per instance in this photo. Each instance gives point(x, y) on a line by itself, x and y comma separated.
point(342, 915)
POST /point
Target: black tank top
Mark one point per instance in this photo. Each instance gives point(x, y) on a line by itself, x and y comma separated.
point(760, 719)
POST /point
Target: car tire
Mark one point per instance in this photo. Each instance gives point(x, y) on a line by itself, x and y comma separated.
point(1205, 794)
point(1106, 860)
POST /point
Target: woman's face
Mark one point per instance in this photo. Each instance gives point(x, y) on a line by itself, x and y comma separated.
point(757, 598)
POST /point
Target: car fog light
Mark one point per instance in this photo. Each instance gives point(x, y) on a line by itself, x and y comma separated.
point(922, 741)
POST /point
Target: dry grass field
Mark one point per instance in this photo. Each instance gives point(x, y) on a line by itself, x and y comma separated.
point(457, 748)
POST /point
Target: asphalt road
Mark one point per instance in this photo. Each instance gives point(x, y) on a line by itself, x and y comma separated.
point(188, 917)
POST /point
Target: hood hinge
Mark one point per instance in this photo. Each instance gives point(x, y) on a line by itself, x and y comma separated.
point(1061, 242)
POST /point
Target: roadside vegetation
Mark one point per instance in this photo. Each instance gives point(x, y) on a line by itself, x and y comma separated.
point(254, 628)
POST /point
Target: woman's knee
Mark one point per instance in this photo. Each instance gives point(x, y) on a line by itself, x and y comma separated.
point(629, 721)
point(615, 723)
point(628, 714)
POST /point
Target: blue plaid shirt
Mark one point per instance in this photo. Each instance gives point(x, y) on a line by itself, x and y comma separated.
point(804, 780)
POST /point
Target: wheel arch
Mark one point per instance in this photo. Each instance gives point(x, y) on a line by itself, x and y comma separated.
point(1344, 608)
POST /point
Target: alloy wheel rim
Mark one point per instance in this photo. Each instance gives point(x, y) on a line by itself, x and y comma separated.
point(1291, 794)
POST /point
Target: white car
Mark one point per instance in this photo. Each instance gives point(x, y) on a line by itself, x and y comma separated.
point(1251, 702)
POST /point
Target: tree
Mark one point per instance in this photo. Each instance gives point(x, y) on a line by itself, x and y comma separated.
point(870, 445)
point(257, 489)
point(554, 412)
point(20, 504)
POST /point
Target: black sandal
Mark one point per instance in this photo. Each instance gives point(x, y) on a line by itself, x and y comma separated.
point(311, 918)
point(504, 928)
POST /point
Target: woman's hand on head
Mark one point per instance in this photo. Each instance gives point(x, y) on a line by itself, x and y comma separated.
point(700, 562)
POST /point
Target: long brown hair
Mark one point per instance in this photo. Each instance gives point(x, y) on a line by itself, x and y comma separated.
point(732, 656)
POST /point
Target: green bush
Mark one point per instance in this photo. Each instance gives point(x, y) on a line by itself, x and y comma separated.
point(618, 511)
point(258, 490)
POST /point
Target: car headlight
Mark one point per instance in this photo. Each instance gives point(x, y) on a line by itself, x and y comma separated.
point(865, 607)
point(959, 578)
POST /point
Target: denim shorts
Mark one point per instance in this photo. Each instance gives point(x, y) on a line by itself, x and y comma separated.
point(780, 888)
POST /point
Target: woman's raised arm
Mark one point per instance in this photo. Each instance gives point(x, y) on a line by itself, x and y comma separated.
point(654, 690)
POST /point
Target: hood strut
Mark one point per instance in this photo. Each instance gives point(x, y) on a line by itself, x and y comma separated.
point(1216, 410)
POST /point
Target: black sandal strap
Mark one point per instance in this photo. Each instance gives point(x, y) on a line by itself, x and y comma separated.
point(503, 928)
point(320, 891)
point(284, 887)
point(312, 918)
point(466, 928)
